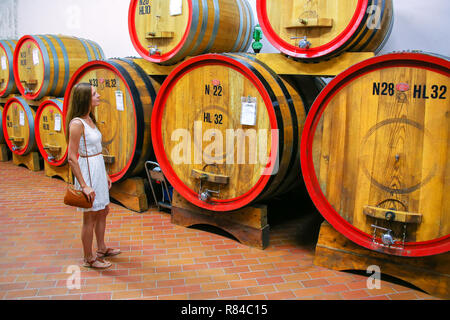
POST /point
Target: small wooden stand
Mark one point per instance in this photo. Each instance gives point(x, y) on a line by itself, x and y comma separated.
point(248, 225)
point(131, 194)
point(32, 161)
point(5, 153)
point(431, 274)
point(64, 172)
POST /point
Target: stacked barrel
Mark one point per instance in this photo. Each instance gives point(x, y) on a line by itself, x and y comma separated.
point(375, 154)
point(312, 31)
point(127, 95)
point(39, 67)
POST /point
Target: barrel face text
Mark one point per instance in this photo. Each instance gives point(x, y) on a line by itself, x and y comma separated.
point(376, 154)
point(123, 116)
point(50, 132)
point(317, 30)
point(7, 83)
point(18, 126)
point(43, 64)
point(225, 131)
point(166, 32)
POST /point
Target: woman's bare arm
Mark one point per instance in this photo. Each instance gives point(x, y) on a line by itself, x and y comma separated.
point(76, 129)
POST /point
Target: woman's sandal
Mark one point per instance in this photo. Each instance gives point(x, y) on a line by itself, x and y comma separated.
point(97, 264)
point(108, 253)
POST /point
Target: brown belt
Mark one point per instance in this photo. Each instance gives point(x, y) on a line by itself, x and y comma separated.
point(90, 156)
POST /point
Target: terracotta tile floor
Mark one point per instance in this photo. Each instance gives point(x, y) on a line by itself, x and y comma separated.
point(40, 241)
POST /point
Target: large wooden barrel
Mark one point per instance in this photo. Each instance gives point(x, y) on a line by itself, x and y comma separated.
point(330, 26)
point(127, 95)
point(49, 132)
point(7, 83)
point(228, 124)
point(18, 126)
point(166, 32)
point(375, 154)
point(43, 64)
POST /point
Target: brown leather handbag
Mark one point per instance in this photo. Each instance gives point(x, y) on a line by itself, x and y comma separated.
point(76, 198)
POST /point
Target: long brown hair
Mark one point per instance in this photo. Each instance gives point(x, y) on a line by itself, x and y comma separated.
point(81, 100)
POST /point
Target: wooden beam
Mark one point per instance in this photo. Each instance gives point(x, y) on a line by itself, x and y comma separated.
point(283, 65)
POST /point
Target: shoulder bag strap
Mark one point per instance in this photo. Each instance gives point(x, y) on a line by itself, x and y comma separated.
point(87, 158)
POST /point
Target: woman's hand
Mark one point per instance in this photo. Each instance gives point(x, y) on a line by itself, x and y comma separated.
point(90, 193)
point(109, 182)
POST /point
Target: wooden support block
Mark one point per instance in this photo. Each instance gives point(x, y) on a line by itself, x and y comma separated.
point(32, 161)
point(312, 23)
point(283, 65)
point(64, 172)
point(160, 35)
point(131, 194)
point(5, 153)
point(399, 216)
point(431, 274)
point(248, 225)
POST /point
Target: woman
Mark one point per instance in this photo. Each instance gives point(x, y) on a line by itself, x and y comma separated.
point(80, 120)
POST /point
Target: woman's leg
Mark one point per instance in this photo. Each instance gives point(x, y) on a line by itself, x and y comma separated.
point(87, 233)
point(100, 227)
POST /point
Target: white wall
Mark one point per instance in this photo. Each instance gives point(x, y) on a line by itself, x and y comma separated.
point(419, 24)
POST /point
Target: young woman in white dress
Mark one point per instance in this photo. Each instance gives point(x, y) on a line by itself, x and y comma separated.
point(90, 177)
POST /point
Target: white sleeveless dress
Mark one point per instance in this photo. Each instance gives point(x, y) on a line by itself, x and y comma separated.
point(96, 165)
